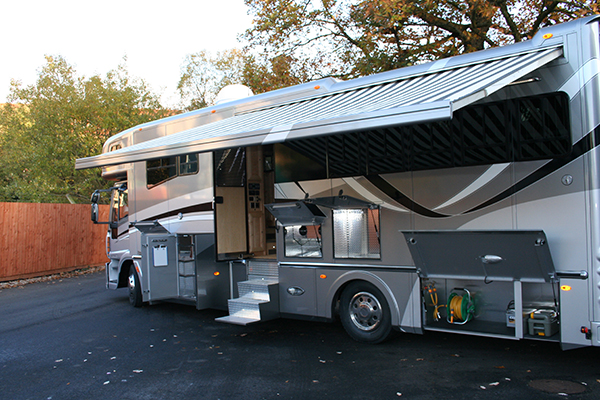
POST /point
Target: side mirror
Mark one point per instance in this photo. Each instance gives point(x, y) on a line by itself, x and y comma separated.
point(94, 211)
point(95, 197)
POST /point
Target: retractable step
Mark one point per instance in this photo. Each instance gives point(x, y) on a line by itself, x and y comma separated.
point(258, 296)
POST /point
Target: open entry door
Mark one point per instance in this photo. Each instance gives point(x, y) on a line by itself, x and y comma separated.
point(230, 204)
point(240, 195)
point(255, 201)
point(230, 217)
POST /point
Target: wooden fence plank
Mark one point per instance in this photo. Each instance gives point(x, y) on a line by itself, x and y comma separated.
point(41, 239)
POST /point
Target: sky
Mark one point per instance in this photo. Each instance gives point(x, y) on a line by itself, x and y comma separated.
point(95, 36)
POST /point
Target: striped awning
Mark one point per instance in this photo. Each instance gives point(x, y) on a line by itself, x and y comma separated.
point(432, 94)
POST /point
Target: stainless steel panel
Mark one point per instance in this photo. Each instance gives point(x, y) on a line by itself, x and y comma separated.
point(355, 233)
point(303, 241)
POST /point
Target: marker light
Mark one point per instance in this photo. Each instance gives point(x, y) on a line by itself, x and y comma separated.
point(213, 111)
point(548, 35)
point(217, 273)
point(323, 276)
point(317, 87)
point(565, 288)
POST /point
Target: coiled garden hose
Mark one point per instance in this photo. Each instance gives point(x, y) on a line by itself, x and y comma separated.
point(461, 308)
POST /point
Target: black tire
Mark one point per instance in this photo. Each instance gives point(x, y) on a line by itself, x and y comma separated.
point(135, 291)
point(365, 313)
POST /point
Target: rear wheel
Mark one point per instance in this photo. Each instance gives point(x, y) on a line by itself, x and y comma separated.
point(135, 291)
point(365, 313)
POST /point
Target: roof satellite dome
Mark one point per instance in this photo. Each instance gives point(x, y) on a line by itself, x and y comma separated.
point(233, 92)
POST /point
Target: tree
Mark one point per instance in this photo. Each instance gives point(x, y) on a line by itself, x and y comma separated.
point(264, 74)
point(350, 38)
point(60, 118)
point(204, 75)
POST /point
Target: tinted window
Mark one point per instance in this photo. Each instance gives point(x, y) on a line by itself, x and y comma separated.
point(163, 169)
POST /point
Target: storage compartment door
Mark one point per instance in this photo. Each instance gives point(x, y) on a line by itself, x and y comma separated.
point(162, 267)
point(482, 255)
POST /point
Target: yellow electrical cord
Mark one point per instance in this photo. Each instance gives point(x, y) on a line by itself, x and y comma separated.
point(434, 300)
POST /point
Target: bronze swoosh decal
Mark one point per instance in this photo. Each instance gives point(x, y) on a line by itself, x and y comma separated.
point(185, 210)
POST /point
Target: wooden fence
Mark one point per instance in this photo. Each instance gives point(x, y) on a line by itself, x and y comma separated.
point(41, 239)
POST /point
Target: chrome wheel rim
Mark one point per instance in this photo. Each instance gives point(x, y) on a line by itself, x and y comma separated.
point(365, 311)
point(131, 282)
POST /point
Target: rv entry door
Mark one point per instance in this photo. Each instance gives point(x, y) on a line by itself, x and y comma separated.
point(230, 204)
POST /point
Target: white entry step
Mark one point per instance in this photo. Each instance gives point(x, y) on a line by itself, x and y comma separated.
point(230, 319)
point(259, 295)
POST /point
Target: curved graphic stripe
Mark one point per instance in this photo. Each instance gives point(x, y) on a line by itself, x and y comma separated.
point(401, 198)
point(184, 210)
point(477, 184)
point(587, 143)
point(364, 192)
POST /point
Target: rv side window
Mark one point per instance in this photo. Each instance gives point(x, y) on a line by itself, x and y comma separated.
point(163, 169)
point(188, 164)
point(123, 206)
point(115, 147)
point(356, 233)
point(160, 170)
point(303, 241)
point(120, 208)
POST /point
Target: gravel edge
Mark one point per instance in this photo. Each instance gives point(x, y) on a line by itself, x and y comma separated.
point(53, 277)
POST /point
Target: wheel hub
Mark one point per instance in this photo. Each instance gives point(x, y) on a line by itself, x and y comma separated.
point(365, 311)
point(131, 281)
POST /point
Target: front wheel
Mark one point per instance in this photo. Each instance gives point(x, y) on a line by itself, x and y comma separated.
point(365, 313)
point(135, 291)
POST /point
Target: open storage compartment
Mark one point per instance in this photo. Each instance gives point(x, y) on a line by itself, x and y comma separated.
point(490, 308)
point(186, 266)
point(494, 283)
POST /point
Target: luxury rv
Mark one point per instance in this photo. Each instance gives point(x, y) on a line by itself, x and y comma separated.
point(460, 195)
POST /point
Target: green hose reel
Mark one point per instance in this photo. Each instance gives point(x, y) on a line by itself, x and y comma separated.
point(460, 308)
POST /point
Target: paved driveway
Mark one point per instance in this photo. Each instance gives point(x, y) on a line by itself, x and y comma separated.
point(73, 339)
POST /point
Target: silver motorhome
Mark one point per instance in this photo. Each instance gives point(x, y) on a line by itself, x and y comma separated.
point(460, 195)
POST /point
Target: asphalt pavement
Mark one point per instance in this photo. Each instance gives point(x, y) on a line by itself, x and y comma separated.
point(73, 339)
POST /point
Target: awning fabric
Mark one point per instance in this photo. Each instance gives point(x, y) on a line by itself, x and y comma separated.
point(424, 97)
